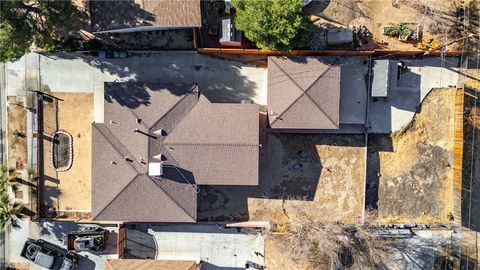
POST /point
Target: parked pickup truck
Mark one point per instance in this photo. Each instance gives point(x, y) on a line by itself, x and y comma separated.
point(48, 255)
point(87, 239)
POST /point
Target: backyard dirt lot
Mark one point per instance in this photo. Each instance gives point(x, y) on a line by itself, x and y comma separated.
point(410, 172)
point(277, 257)
point(318, 175)
point(69, 190)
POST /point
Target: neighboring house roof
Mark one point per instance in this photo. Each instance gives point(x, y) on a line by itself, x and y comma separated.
point(200, 144)
point(118, 14)
point(128, 264)
point(303, 93)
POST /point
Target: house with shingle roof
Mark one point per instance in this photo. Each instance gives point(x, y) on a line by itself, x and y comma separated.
point(158, 142)
point(143, 15)
point(303, 94)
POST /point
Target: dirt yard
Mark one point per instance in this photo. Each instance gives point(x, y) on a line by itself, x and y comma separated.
point(17, 134)
point(276, 257)
point(70, 190)
point(438, 18)
point(318, 175)
point(410, 172)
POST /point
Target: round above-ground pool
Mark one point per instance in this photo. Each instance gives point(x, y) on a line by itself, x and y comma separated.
point(62, 151)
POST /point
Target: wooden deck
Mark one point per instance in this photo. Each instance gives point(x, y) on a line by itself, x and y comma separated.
point(458, 157)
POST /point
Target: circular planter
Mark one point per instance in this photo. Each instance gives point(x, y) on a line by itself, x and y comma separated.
point(62, 151)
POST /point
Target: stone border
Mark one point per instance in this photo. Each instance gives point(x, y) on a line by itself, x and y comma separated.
point(65, 168)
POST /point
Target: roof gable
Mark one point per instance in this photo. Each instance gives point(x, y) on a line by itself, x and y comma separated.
point(143, 200)
point(202, 125)
point(110, 172)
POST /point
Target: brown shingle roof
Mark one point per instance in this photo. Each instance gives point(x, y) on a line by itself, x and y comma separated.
point(125, 264)
point(303, 93)
point(203, 143)
point(123, 14)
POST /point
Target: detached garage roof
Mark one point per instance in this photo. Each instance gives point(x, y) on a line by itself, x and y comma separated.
point(303, 93)
point(198, 143)
point(125, 14)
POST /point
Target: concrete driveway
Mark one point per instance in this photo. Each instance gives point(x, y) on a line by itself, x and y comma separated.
point(425, 73)
point(221, 80)
point(56, 232)
point(217, 247)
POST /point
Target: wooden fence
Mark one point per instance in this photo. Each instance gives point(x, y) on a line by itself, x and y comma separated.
point(325, 53)
point(458, 157)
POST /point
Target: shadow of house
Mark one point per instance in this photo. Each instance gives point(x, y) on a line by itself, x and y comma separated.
point(471, 166)
point(376, 143)
point(291, 169)
point(139, 244)
point(209, 266)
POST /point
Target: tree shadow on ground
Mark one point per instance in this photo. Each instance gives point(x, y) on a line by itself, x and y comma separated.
point(221, 81)
point(110, 15)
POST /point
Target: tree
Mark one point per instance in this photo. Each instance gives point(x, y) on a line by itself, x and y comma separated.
point(271, 24)
point(26, 24)
point(6, 177)
point(10, 212)
point(351, 245)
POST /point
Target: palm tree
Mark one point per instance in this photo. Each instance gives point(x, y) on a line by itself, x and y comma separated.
point(6, 177)
point(10, 212)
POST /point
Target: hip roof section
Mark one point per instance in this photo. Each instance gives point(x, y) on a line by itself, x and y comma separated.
point(198, 142)
point(303, 93)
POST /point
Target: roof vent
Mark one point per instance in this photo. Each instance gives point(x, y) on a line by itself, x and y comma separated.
point(112, 122)
point(139, 121)
point(155, 168)
point(160, 157)
point(160, 132)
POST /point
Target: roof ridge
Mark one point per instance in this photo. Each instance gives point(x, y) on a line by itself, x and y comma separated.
point(173, 107)
point(173, 200)
point(318, 106)
point(110, 138)
point(116, 196)
point(304, 92)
